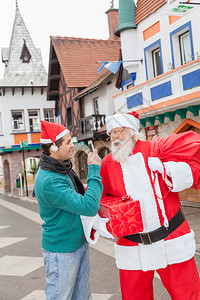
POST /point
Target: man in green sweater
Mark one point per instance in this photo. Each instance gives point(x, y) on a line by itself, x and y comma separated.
point(61, 201)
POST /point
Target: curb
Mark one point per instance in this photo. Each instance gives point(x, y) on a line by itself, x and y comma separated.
point(24, 198)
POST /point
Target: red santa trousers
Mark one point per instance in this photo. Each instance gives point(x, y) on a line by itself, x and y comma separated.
point(181, 281)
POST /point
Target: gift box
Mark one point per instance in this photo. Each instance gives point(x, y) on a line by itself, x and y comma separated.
point(124, 215)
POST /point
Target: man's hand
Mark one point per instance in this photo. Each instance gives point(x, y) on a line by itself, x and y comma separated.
point(100, 226)
point(93, 158)
point(155, 164)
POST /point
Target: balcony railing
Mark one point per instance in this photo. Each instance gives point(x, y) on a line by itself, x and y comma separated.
point(89, 126)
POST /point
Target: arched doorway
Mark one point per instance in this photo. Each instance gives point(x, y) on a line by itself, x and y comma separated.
point(7, 181)
point(103, 152)
point(82, 165)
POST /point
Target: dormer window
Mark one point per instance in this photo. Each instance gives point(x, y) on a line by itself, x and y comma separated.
point(25, 54)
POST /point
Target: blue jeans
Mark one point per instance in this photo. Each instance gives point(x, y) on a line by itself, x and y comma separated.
point(67, 275)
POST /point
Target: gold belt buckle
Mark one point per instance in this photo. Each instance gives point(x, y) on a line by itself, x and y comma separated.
point(148, 236)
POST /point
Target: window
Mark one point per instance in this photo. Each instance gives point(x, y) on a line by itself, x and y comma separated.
point(153, 60)
point(34, 120)
point(1, 130)
point(25, 54)
point(69, 116)
point(129, 85)
point(156, 62)
point(96, 106)
point(81, 108)
point(182, 45)
point(17, 120)
point(49, 115)
point(185, 48)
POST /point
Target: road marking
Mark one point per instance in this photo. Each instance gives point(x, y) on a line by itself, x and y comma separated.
point(103, 245)
point(7, 241)
point(101, 296)
point(19, 265)
point(27, 213)
point(37, 294)
point(4, 227)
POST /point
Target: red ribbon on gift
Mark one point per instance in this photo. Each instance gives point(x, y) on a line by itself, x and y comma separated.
point(126, 197)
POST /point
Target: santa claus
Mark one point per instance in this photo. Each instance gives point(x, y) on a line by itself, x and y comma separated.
point(153, 172)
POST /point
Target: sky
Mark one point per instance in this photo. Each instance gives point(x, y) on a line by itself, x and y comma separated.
point(43, 18)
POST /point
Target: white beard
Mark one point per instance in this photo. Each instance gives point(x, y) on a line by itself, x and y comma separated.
point(122, 153)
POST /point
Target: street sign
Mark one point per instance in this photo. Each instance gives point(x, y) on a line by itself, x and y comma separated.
point(24, 144)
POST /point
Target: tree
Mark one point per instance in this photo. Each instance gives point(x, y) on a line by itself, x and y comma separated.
point(33, 169)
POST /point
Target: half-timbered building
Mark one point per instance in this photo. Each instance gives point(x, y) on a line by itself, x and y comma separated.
point(73, 67)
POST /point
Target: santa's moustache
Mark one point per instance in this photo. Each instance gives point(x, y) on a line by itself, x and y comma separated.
point(122, 152)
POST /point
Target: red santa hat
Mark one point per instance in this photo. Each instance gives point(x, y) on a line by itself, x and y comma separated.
point(51, 132)
point(130, 120)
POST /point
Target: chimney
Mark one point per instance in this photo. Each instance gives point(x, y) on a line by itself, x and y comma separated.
point(112, 14)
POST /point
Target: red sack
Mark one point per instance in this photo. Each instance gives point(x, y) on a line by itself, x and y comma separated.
point(184, 147)
point(124, 215)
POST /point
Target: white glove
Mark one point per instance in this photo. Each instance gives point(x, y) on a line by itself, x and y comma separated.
point(155, 164)
point(100, 226)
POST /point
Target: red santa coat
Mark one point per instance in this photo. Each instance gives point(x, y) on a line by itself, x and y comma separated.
point(181, 156)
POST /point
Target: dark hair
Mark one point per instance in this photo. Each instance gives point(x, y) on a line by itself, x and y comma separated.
point(46, 147)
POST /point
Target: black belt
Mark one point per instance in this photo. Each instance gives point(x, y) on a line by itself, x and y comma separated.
point(158, 234)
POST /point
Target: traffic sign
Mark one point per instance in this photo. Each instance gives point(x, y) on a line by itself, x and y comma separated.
point(24, 144)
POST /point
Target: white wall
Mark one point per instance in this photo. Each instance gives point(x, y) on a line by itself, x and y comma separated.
point(20, 102)
point(132, 40)
point(105, 100)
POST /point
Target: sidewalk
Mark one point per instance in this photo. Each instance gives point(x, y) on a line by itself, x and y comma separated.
point(192, 214)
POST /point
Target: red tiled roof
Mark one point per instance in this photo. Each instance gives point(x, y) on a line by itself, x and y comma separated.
point(77, 58)
point(147, 7)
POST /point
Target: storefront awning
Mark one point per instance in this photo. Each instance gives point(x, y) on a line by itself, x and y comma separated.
point(194, 109)
point(80, 146)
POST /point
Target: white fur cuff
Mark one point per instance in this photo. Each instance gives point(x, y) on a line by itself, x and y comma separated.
point(88, 224)
point(181, 175)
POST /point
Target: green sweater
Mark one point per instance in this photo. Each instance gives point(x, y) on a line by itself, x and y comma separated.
point(60, 207)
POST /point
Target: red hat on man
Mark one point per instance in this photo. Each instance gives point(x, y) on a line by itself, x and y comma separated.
point(51, 132)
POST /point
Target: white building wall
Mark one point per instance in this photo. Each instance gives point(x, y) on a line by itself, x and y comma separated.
point(133, 43)
point(105, 100)
point(24, 102)
point(143, 84)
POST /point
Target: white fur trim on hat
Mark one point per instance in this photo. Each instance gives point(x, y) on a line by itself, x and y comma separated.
point(49, 141)
point(122, 120)
point(64, 132)
point(45, 141)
